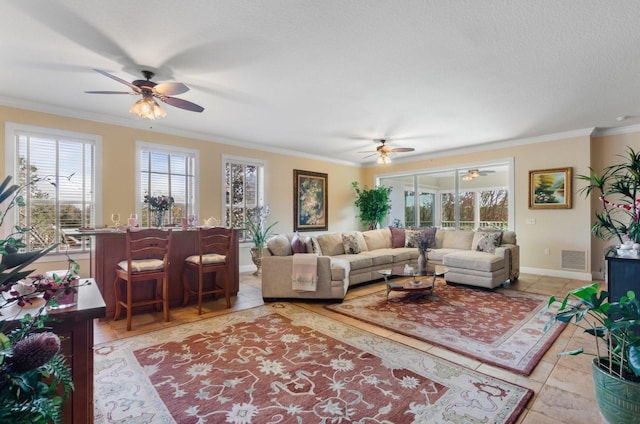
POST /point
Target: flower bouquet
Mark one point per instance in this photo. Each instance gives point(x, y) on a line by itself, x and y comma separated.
point(158, 205)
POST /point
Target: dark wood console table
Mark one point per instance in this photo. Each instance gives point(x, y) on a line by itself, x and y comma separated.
point(109, 248)
point(74, 326)
point(622, 276)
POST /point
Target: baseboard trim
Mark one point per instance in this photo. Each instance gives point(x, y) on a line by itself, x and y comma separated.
point(584, 276)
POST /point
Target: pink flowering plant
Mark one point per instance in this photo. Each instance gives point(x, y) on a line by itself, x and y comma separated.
point(35, 379)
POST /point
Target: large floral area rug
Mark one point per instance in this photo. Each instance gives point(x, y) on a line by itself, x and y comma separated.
point(281, 364)
point(501, 327)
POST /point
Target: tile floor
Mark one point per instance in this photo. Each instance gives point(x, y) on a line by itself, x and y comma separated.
point(563, 386)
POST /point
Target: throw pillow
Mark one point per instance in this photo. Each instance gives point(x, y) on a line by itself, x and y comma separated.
point(279, 245)
point(430, 234)
point(479, 234)
point(489, 241)
point(412, 238)
point(350, 243)
point(397, 237)
point(297, 244)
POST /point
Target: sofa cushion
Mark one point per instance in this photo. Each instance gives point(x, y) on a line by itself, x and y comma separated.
point(509, 237)
point(350, 243)
point(279, 245)
point(430, 234)
point(356, 261)
point(298, 245)
point(397, 237)
point(377, 239)
point(472, 259)
point(331, 244)
point(438, 254)
point(457, 239)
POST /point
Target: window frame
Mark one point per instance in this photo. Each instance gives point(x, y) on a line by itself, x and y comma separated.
point(260, 192)
point(12, 130)
point(168, 150)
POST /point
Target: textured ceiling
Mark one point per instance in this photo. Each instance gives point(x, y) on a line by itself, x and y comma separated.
point(325, 78)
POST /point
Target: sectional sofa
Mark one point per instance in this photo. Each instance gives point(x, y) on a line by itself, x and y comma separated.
point(482, 258)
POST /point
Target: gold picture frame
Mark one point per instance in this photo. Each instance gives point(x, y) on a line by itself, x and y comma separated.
point(550, 188)
point(310, 201)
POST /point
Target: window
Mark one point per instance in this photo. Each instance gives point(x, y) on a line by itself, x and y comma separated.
point(465, 198)
point(243, 190)
point(167, 171)
point(65, 190)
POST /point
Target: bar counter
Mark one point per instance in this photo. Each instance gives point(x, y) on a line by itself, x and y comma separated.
point(109, 248)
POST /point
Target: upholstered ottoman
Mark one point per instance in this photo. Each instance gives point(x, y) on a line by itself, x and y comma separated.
point(475, 268)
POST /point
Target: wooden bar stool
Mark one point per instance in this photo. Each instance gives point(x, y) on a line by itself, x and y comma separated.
point(214, 250)
point(147, 260)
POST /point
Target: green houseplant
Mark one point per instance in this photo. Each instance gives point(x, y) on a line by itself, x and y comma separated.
point(34, 377)
point(374, 204)
point(259, 232)
point(614, 327)
point(618, 189)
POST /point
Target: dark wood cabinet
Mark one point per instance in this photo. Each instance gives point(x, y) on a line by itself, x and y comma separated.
point(623, 274)
point(74, 326)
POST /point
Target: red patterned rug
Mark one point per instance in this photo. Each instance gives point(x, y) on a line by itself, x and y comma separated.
point(282, 364)
point(500, 327)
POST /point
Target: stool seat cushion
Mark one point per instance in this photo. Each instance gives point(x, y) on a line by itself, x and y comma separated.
point(212, 258)
point(141, 265)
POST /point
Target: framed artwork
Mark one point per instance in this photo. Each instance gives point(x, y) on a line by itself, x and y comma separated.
point(310, 207)
point(550, 188)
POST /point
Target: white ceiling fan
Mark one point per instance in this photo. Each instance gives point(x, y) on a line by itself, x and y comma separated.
point(384, 150)
point(475, 173)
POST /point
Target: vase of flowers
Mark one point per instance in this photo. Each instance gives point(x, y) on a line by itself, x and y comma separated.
point(158, 205)
point(35, 379)
point(423, 246)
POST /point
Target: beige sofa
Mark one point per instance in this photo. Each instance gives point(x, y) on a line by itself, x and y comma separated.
point(372, 251)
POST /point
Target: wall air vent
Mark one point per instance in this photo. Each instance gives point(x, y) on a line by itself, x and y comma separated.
point(574, 259)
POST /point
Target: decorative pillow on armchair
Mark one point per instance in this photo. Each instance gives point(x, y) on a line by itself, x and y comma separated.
point(412, 238)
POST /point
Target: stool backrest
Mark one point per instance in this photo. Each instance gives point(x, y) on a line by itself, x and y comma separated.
point(215, 240)
point(148, 243)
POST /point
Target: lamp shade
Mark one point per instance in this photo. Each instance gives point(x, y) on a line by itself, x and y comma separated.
point(147, 108)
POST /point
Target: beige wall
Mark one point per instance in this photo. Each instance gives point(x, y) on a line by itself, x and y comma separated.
point(554, 229)
point(118, 172)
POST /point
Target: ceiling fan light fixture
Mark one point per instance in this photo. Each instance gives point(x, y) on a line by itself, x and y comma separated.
point(467, 178)
point(474, 173)
point(383, 158)
point(147, 108)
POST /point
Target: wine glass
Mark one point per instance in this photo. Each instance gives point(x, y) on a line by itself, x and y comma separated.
point(191, 218)
point(133, 220)
point(115, 218)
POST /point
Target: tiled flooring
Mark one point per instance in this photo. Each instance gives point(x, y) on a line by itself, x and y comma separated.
point(563, 386)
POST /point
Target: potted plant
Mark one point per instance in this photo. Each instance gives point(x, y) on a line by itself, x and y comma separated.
point(615, 328)
point(374, 204)
point(259, 232)
point(34, 377)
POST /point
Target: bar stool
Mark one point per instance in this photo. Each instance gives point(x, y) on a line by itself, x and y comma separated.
point(147, 260)
point(214, 248)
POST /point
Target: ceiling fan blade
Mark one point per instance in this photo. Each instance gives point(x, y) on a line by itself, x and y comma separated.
point(368, 156)
point(182, 104)
point(402, 149)
point(120, 80)
point(110, 92)
point(170, 88)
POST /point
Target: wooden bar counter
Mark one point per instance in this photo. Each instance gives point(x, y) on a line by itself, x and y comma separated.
point(109, 248)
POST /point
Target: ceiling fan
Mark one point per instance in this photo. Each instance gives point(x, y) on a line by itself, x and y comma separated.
point(147, 107)
point(475, 173)
point(384, 150)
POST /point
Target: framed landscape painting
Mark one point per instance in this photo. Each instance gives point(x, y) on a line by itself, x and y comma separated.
point(550, 188)
point(310, 206)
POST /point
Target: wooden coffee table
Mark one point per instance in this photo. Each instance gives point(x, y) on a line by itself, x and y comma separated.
point(414, 284)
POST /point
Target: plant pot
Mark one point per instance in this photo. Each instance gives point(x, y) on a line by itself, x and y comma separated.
point(618, 399)
point(256, 257)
